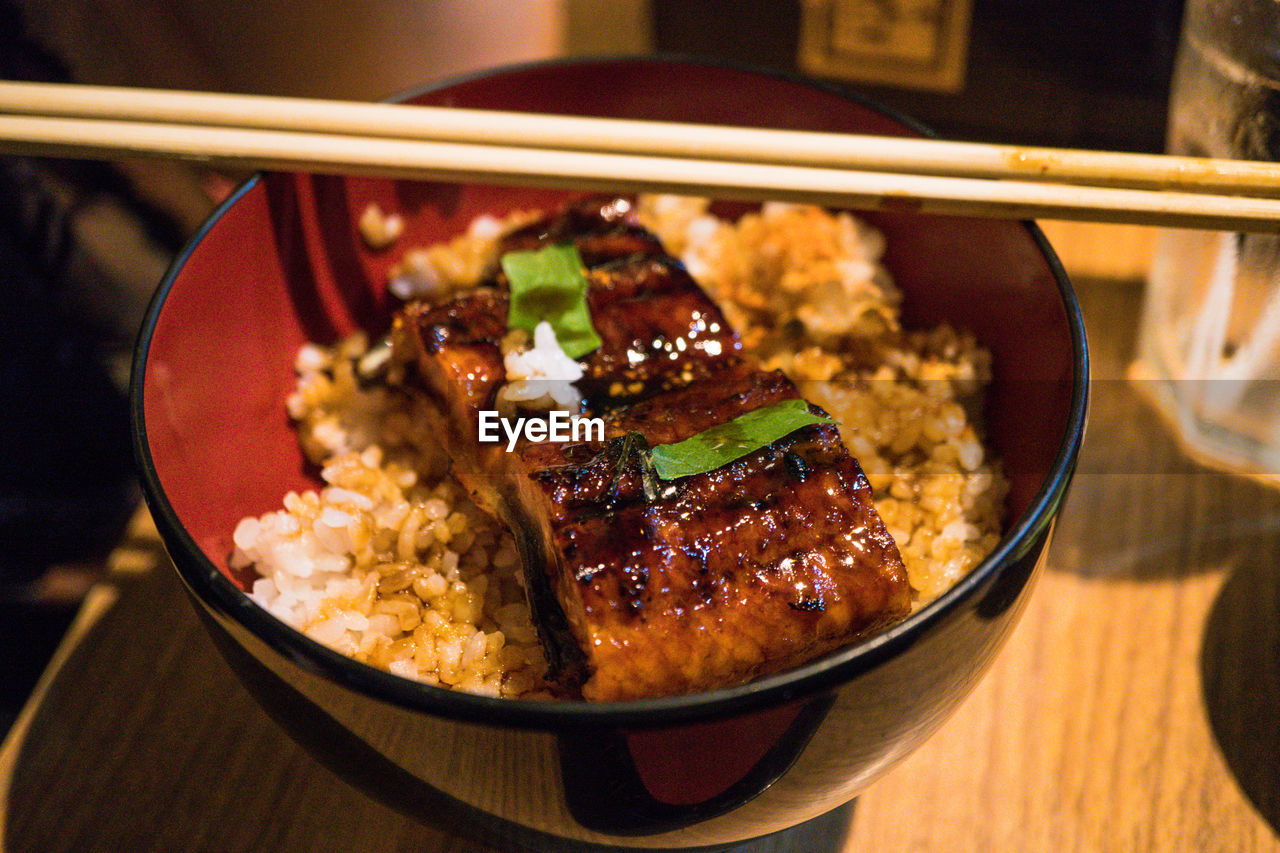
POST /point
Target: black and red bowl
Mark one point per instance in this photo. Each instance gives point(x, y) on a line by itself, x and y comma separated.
point(280, 263)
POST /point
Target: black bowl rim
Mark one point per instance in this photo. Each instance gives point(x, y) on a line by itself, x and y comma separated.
point(215, 592)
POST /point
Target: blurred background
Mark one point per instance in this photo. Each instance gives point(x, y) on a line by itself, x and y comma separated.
point(82, 245)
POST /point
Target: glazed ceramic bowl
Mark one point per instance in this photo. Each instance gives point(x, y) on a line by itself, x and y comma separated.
point(280, 263)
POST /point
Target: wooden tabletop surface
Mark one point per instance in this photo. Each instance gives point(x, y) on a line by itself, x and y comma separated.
point(1136, 706)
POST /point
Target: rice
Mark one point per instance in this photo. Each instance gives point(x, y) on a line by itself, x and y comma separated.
point(391, 563)
point(378, 229)
point(436, 271)
point(540, 375)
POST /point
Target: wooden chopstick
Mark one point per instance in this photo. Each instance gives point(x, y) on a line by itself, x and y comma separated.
point(623, 136)
point(602, 154)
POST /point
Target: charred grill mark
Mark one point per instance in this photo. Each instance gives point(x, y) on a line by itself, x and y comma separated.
point(565, 656)
point(602, 230)
point(622, 265)
point(478, 318)
point(796, 466)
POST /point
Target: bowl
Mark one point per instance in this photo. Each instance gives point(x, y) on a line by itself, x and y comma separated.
point(280, 263)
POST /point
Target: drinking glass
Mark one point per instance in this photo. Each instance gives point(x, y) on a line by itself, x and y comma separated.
point(1208, 350)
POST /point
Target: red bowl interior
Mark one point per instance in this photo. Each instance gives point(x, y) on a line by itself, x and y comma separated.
point(283, 265)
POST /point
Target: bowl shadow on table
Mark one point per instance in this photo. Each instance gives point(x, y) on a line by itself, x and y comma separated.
point(1240, 675)
point(1140, 509)
point(146, 741)
point(1137, 496)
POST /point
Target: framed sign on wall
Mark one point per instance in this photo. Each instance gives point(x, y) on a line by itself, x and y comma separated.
point(919, 44)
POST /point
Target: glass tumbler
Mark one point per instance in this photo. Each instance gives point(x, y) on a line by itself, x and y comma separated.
point(1208, 349)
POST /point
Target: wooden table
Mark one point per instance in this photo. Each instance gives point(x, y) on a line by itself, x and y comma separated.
point(1136, 707)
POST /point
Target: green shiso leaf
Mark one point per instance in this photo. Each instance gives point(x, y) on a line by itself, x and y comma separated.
point(548, 285)
point(720, 445)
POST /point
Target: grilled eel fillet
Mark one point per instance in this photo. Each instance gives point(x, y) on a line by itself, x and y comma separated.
point(751, 568)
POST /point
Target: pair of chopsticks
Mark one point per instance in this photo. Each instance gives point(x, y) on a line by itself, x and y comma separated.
point(441, 143)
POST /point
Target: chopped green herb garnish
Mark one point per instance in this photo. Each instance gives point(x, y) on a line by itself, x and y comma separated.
point(549, 285)
point(627, 446)
point(720, 445)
